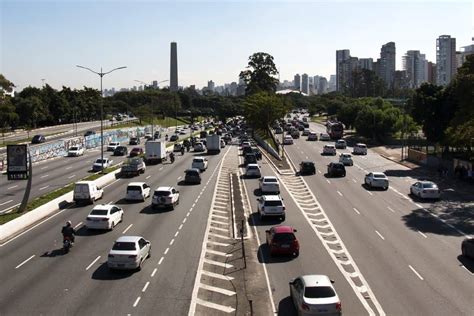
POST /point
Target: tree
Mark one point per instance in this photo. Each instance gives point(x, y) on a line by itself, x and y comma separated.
point(8, 116)
point(365, 83)
point(32, 111)
point(259, 75)
point(5, 85)
point(262, 109)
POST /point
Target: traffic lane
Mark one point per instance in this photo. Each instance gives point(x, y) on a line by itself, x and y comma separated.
point(343, 199)
point(313, 258)
point(85, 249)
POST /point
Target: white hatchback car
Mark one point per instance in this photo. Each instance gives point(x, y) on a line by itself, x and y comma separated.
point(165, 197)
point(137, 191)
point(252, 170)
point(269, 184)
point(360, 149)
point(198, 147)
point(329, 150)
point(104, 216)
point(288, 140)
point(129, 252)
point(425, 190)
point(200, 163)
point(376, 180)
point(112, 146)
point(75, 151)
point(346, 159)
point(315, 295)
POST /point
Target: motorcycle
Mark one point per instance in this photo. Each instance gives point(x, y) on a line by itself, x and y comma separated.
point(67, 244)
point(172, 158)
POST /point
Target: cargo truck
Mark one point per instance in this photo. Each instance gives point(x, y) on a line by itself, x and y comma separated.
point(155, 151)
point(213, 144)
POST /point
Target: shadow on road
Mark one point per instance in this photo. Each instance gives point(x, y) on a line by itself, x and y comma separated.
point(53, 253)
point(265, 257)
point(83, 231)
point(286, 307)
point(104, 273)
point(254, 220)
point(152, 211)
point(466, 262)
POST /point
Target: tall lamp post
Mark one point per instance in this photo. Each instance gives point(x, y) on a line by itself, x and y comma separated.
point(101, 74)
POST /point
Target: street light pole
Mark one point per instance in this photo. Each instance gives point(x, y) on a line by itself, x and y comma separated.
point(101, 75)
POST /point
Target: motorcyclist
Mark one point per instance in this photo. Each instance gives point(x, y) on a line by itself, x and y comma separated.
point(166, 137)
point(68, 232)
point(172, 157)
point(182, 150)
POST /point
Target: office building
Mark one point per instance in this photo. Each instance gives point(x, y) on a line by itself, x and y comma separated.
point(431, 72)
point(386, 64)
point(466, 51)
point(297, 82)
point(305, 84)
point(332, 83)
point(322, 85)
point(445, 59)
point(174, 67)
point(211, 85)
point(416, 68)
point(342, 55)
point(366, 63)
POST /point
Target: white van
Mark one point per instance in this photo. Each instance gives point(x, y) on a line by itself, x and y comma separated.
point(137, 191)
point(360, 149)
point(87, 191)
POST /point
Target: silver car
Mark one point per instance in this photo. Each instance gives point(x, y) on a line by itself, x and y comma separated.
point(315, 295)
point(425, 190)
point(376, 180)
point(128, 252)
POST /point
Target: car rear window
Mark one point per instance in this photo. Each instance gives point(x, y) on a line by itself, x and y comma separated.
point(380, 176)
point(284, 237)
point(197, 160)
point(99, 212)
point(100, 161)
point(273, 203)
point(252, 167)
point(319, 292)
point(162, 193)
point(429, 185)
point(192, 173)
point(124, 246)
point(270, 180)
point(134, 188)
point(73, 148)
point(338, 166)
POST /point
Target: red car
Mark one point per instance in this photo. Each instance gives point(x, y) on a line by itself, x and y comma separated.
point(282, 241)
point(136, 151)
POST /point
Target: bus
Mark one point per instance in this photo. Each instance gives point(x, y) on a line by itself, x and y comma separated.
point(335, 129)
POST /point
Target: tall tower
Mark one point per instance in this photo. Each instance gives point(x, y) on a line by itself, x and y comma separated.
point(174, 67)
point(445, 59)
point(342, 55)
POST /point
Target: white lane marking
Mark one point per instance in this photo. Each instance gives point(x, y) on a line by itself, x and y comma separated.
point(9, 201)
point(328, 181)
point(147, 177)
point(338, 192)
point(161, 260)
point(355, 210)
point(126, 229)
point(380, 235)
point(166, 250)
point(179, 177)
point(307, 158)
point(71, 176)
point(419, 205)
point(180, 226)
point(146, 285)
point(217, 289)
point(44, 167)
point(417, 274)
point(467, 270)
point(24, 261)
point(422, 234)
point(369, 192)
point(391, 210)
point(89, 266)
point(160, 168)
point(153, 273)
point(12, 187)
point(176, 234)
point(136, 301)
point(354, 180)
point(45, 176)
point(222, 308)
point(184, 220)
point(44, 187)
point(319, 171)
point(172, 242)
point(67, 168)
point(79, 224)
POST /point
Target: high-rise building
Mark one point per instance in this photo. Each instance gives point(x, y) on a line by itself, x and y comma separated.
point(386, 64)
point(155, 84)
point(366, 63)
point(416, 68)
point(466, 51)
point(341, 56)
point(210, 85)
point(297, 82)
point(431, 72)
point(400, 80)
point(346, 68)
point(305, 84)
point(445, 59)
point(174, 67)
point(332, 83)
point(322, 85)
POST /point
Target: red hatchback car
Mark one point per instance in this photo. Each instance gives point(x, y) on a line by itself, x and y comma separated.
point(136, 151)
point(282, 241)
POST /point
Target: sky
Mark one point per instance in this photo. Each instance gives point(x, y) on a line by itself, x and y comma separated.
point(47, 39)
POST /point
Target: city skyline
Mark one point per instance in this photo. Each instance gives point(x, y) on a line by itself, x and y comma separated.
point(211, 48)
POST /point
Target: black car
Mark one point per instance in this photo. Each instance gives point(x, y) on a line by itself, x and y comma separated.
point(257, 153)
point(295, 134)
point(247, 150)
point(157, 135)
point(120, 151)
point(38, 139)
point(192, 176)
point(89, 133)
point(134, 141)
point(336, 169)
point(307, 167)
point(467, 247)
point(250, 158)
point(174, 138)
point(203, 134)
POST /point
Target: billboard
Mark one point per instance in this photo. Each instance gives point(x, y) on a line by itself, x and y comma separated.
point(17, 162)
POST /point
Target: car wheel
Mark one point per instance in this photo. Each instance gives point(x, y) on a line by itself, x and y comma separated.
point(121, 218)
point(283, 218)
point(411, 191)
point(296, 254)
point(149, 253)
point(140, 265)
point(262, 217)
point(344, 174)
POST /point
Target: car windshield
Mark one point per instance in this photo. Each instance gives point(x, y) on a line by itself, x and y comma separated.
point(98, 212)
point(100, 161)
point(429, 186)
point(124, 246)
point(73, 148)
point(380, 176)
point(284, 237)
point(252, 167)
point(134, 188)
point(162, 193)
point(338, 166)
point(319, 292)
point(273, 203)
point(198, 160)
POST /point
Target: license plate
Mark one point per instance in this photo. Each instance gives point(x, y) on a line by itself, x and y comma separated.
point(285, 246)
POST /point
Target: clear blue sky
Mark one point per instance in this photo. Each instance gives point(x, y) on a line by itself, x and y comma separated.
point(46, 39)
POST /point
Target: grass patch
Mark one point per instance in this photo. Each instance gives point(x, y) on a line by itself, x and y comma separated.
point(267, 138)
point(43, 199)
point(318, 119)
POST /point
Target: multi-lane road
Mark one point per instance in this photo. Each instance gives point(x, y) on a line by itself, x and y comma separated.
point(386, 253)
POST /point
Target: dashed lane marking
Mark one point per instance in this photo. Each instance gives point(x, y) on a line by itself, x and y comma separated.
point(338, 192)
point(166, 250)
point(9, 188)
point(328, 181)
point(45, 176)
point(422, 234)
point(24, 261)
point(126, 229)
point(161, 260)
point(148, 177)
point(9, 201)
point(355, 210)
point(92, 263)
point(70, 177)
point(154, 272)
point(79, 224)
point(390, 209)
point(380, 235)
point(145, 287)
point(417, 274)
point(44, 188)
point(136, 301)
point(370, 193)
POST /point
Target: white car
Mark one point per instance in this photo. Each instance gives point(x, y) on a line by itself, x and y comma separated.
point(198, 147)
point(340, 144)
point(128, 252)
point(324, 136)
point(346, 159)
point(97, 165)
point(137, 191)
point(288, 140)
point(252, 170)
point(315, 295)
point(165, 197)
point(222, 143)
point(269, 184)
point(112, 146)
point(360, 149)
point(425, 190)
point(104, 216)
point(329, 150)
point(245, 144)
point(312, 136)
point(376, 180)
point(200, 163)
point(75, 151)
point(271, 206)
point(306, 132)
